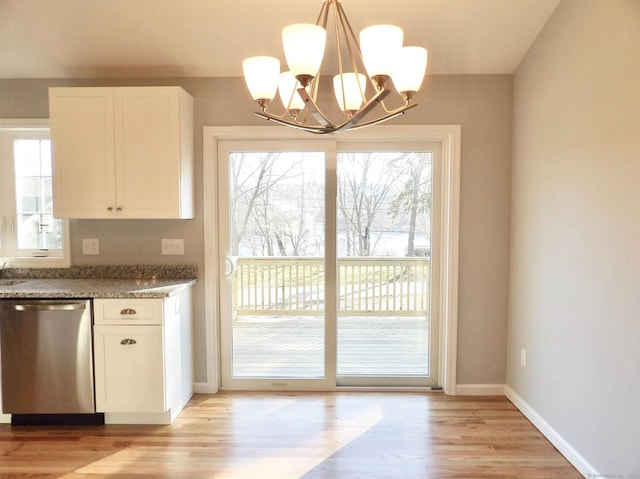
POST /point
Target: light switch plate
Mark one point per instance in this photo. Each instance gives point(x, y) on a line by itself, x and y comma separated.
point(172, 246)
point(90, 246)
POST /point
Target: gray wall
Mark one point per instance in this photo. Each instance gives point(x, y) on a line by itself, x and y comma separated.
point(481, 104)
point(575, 240)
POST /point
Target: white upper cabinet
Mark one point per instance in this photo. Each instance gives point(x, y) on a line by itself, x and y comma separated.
point(122, 152)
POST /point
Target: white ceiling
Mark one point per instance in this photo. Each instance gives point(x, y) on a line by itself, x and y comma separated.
point(209, 38)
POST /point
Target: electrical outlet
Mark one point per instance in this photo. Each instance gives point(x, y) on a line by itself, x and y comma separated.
point(523, 357)
point(172, 246)
point(90, 246)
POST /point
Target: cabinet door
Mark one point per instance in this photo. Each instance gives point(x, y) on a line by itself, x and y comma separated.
point(83, 154)
point(148, 152)
point(129, 369)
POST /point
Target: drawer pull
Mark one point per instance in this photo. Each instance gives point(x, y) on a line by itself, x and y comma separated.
point(128, 311)
point(128, 341)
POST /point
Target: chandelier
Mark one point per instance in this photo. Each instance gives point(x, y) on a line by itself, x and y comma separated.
point(368, 71)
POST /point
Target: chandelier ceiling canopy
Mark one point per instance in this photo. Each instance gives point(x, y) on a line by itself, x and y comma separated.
point(370, 68)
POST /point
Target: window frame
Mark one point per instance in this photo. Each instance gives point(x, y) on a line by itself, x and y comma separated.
point(37, 128)
point(449, 136)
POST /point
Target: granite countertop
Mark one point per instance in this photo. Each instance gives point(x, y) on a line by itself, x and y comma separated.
point(97, 282)
point(92, 288)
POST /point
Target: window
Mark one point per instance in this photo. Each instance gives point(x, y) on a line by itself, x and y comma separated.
point(29, 234)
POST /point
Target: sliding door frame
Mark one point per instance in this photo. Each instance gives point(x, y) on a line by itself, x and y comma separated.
point(449, 137)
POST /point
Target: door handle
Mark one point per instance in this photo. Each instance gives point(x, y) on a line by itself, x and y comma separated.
point(232, 266)
point(49, 306)
point(128, 341)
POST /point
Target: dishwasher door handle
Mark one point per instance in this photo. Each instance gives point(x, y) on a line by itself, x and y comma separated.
point(49, 306)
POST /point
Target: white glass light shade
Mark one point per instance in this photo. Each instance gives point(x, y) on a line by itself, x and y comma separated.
point(379, 45)
point(353, 93)
point(304, 48)
point(261, 75)
point(409, 69)
point(287, 89)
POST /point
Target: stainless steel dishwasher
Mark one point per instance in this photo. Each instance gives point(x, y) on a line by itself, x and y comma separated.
point(47, 357)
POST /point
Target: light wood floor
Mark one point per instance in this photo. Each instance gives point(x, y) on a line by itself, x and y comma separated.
point(290, 435)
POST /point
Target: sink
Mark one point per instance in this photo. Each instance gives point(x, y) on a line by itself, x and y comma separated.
point(11, 282)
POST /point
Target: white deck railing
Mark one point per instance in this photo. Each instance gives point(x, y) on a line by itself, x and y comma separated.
point(367, 286)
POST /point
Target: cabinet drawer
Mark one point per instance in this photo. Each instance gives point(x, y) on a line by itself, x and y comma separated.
point(127, 311)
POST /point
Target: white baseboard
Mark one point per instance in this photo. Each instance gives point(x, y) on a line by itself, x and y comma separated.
point(480, 389)
point(573, 456)
point(204, 388)
point(461, 389)
point(139, 418)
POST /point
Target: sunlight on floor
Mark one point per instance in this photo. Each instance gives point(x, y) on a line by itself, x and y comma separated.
point(277, 461)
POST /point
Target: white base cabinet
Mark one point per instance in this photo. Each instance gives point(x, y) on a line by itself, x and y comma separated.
point(131, 369)
point(143, 358)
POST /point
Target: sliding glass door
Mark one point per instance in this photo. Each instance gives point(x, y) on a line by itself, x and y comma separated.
point(327, 258)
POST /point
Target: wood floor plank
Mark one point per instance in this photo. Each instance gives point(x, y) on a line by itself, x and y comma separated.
point(298, 435)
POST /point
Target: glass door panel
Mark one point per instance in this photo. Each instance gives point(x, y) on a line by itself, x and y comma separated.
point(384, 227)
point(275, 264)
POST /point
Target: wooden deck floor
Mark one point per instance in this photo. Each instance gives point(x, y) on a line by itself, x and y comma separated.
point(293, 346)
point(293, 436)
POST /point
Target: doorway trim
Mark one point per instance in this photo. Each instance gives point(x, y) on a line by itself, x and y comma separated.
point(449, 136)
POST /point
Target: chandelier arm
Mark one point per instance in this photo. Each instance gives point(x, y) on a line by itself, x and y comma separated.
point(322, 21)
point(346, 26)
point(324, 14)
point(382, 119)
point(348, 125)
point(314, 86)
point(340, 66)
point(393, 110)
point(273, 115)
point(363, 111)
point(314, 110)
point(348, 32)
point(298, 126)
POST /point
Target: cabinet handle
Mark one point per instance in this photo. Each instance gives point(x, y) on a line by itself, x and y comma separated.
point(128, 341)
point(128, 311)
point(119, 209)
point(110, 209)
